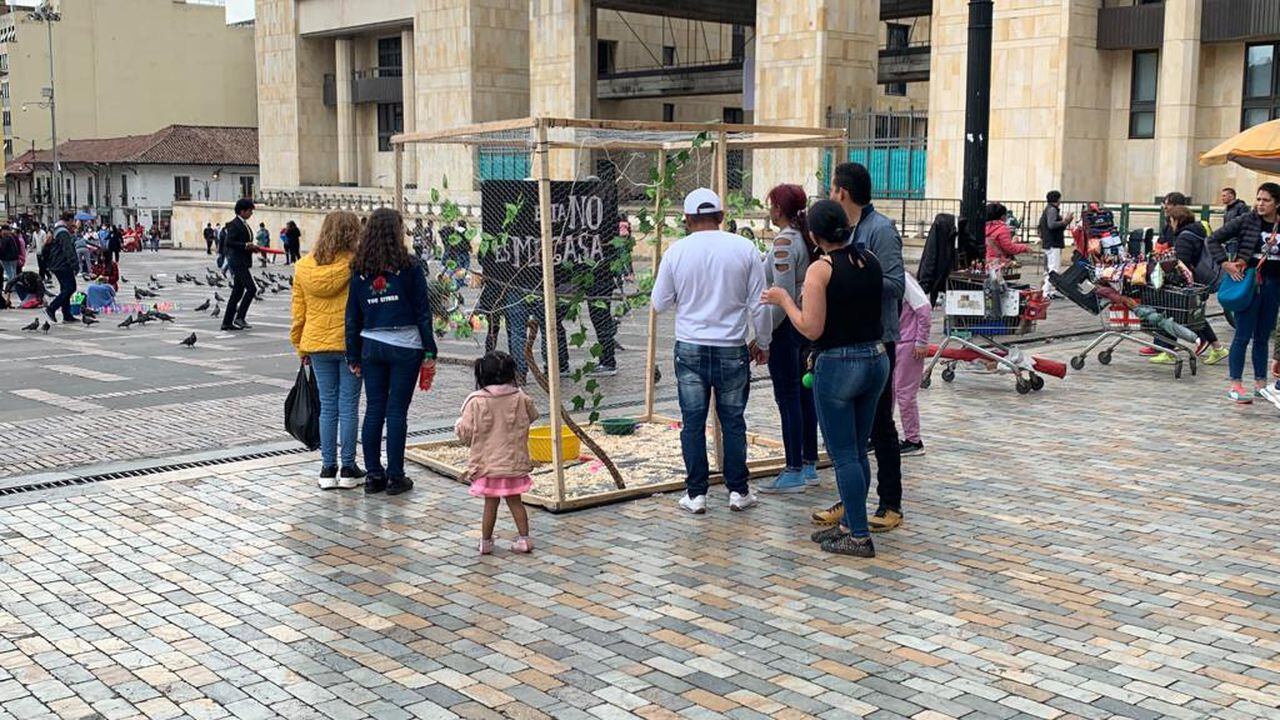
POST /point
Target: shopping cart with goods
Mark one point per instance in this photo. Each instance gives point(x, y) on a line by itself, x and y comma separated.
point(1165, 319)
point(981, 307)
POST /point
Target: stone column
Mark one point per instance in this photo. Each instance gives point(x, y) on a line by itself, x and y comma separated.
point(562, 72)
point(409, 90)
point(344, 66)
point(811, 56)
point(1176, 98)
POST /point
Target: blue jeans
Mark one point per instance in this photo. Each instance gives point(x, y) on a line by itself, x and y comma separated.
point(699, 370)
point(339, 406)
point(517, 311)
point(795, 403)
point(66, 288)
point(847, 384)
point(390, 376)
point(1255, 323)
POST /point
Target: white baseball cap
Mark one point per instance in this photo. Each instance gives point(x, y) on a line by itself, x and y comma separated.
point(702, 201)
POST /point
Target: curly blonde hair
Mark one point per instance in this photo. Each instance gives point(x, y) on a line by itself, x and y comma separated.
point(340, 233)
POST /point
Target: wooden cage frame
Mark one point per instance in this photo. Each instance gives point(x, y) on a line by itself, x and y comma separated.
point(723, 138)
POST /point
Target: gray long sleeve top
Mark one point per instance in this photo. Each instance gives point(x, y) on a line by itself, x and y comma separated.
point(786, 268)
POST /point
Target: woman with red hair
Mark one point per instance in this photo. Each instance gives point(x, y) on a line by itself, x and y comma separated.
point(788, 260)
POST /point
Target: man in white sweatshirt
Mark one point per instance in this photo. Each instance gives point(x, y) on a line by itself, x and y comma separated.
point(714, 280)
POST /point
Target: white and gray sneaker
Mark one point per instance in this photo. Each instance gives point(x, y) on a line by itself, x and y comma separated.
point(738, 501)
point(697, 505)
point(1271, 392)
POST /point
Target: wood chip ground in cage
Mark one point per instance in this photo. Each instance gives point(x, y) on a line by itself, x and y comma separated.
point(649, 459)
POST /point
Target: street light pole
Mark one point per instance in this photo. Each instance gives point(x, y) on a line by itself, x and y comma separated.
point(47, 15)
point(977, 120)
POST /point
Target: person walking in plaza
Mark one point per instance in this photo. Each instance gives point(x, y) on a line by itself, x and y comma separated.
point(237, 249)
point(209, 237)
point(1052, 229)
point(61, 261)
point(115, 243)
point(293, 245)
point(913, 348)
point(843, 299)
point(714, 281)
point(851, 187)
point(263, 239)
point(12, 254)
point(1189, 245)
point(1257, 234)
point(321, 281)
point(785, 268)
point(495, 423)
point(1232, 206)
point(390, 343)
point(84, 258)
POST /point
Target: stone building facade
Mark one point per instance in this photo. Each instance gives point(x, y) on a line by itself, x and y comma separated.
point(1105, 100)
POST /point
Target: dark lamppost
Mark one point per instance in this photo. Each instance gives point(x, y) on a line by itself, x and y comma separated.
point(977, 119)
point(47, 15)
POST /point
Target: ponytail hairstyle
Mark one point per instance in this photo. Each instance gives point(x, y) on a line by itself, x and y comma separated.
point(828, 223)
point(790, 201)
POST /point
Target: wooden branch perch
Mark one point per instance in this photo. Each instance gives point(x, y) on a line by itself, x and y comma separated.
point(531, 334)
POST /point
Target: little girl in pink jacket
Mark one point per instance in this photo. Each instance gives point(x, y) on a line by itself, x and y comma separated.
point(495, 424)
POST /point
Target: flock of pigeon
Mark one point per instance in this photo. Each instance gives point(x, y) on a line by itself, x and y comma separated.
point(269, 282)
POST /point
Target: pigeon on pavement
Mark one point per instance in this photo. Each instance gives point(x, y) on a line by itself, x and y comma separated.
point(35, 325)
point(189, 341)
point(88, 320)
point(217, 310)
point(127, 322)
point(202, 306)
point(45, 327)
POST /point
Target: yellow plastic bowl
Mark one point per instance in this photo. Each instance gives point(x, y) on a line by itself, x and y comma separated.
point(540, 444)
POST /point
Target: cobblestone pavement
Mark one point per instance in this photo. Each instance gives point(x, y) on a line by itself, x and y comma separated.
point(1105, 548)
point(81, 396)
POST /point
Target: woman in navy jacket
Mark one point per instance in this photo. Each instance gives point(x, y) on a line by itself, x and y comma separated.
point(389, 339)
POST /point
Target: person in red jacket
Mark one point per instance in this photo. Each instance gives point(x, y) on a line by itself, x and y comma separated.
point(1000, 243)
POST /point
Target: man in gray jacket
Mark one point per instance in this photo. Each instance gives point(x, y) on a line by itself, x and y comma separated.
point(851, 187)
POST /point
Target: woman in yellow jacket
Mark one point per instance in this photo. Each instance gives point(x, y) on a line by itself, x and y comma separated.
point(320, 283)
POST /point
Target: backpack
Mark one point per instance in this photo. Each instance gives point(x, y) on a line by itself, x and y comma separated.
point(9, 250)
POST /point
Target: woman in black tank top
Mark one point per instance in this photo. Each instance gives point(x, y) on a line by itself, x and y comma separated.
point(841, 314)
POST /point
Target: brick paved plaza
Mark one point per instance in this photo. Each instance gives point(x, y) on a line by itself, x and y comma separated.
point(1105, 548)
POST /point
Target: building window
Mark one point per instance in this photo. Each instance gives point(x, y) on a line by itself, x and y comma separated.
point(246, 186)
point(8, 150)
point(92, 185)
point(668, 54)
point(895, 89)
point(124, 190)
point(1261, 86)
point(390, 59)
point(739, 40)
point(70, 200)
point(668, 112)
point(181, 187)
point(733, 116)
point(897, 36)
point(1142, 94)
point(390, 122)
point(606, 57)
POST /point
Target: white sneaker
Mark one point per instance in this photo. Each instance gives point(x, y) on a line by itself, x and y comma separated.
point(349, 483)
point(327, 483)
point(697, 505)
point(1271, 392)
point(742, 502)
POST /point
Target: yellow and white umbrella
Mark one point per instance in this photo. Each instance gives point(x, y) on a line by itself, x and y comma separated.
point(1257, 148)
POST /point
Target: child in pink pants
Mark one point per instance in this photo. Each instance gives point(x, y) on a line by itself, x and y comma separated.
point(913, 348)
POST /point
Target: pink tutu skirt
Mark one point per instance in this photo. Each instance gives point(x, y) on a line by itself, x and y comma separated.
point(500, 487)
